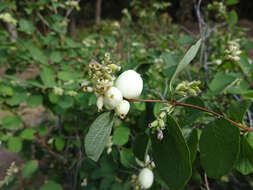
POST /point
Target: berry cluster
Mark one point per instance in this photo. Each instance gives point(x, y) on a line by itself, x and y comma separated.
point(128, 85)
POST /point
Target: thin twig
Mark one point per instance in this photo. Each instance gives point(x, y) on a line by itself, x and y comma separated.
point(42, 18)
point(175, 103)
point(206, 182)
point(69, 11)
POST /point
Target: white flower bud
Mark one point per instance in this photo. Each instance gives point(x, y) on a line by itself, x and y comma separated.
point(113, 97)
point(88, 89)
point(146, 178)
point(100, 102)
point(122, 109)
point(130, 84)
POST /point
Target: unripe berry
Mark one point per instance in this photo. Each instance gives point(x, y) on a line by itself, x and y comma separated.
point(113, 97)
point(122, 109)
point(130, 84)
point(146, 178)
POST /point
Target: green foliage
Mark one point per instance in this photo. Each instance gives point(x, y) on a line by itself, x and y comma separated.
point(172, 156)
point(221, 138)
point(121, 136)
point(29, 168)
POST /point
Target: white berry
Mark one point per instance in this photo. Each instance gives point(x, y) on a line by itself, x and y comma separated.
point(113, 97)
point(146, 178)
point(130, 84)
point(122, 109)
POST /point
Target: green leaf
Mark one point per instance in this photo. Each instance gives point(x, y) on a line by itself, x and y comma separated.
point(17, 98)
point(6, 90)
point(232, 18)
point(157, 108)
point(53, 98)
point(34, 101)
point(193, 114)
point(30, 168)
point(68, 75)
point(37, 54)
point(98, 135)
point(246, 67)
point(66, 101)
point(15, 144)
point(192, 142)
point(189, 56)
point(221, 82)
point(140, 145)
point(51, 185)
point(121, 135)
point(47, 76)
point(237, 110)
point(26, 26)
point(28, 134)
point(172, 156)
point(127, 158)
point(56, 57)
point(11, 122)
point(185, 39)
point(59, 144)
point(244, 163)
point(232, 2)
point(219, 147)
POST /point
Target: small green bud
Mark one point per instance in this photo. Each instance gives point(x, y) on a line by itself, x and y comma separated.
point(162, 114)
point(161, 123)
point(153, 124)
point(192, 92)
point(114, 67)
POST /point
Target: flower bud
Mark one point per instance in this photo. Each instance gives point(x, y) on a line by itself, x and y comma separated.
point(161, 123)
point(100, 102)
point(113, 97)
point(160, 135)
point(146, 178)
point(87, 89)
point(122, 109)
point(153, 124)
point(130, 84)
point(114, 67)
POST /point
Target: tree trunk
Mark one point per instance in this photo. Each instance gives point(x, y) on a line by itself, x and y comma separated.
point(98, 11)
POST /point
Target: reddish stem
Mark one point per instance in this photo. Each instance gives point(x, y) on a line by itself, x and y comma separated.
point(247, 79)
point(175, 103)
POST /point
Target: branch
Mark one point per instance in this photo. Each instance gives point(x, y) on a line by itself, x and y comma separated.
point(175, 103)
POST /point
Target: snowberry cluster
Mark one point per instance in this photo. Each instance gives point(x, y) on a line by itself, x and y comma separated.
point(109, 95)
point(188, 87)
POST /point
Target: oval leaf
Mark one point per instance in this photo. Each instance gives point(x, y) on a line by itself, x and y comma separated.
point(192, 142)
point(219, 147)
point(189, 56)
point(98, 135)
point(237, 110)
point(172, 156)
point(244, 163)
point(30, 168)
